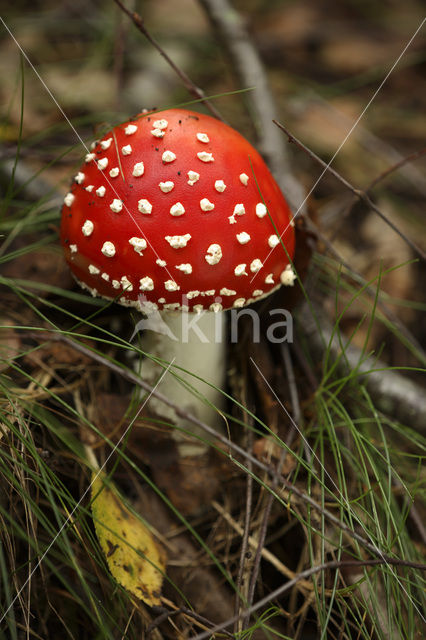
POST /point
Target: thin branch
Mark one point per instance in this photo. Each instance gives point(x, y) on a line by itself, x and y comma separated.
point(396, 167)
point(166, 614)
point(361, 195)
point(326, 566)
point(186, 80)
point(250, 72)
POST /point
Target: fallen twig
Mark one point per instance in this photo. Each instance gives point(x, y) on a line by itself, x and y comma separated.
point(246, 63)
point(361, 195)
point(326, 566)
point(395, 167)
point(186, 80)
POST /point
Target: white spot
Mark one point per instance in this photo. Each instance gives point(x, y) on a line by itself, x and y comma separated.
point(147, 306)
point(166, 186)
point(291, 223)
point(90, 188)
point(261, 210)
point(168, 156)
point(116, 205)
point(192, 294)
point(269, 278)
point(161, 300)
point(160, 124)
point(130, 129)
point(213, 254)
point(108, 249)
point(288, 277)
point(73, 248)
point(257, 292)
point(244, 179)
point(205, 156)
point(115, 284)
point(87, 228)
point(126, 284)
point(239, 210)
point(256, 265)
point(171, 285)
point(216, 307)
point(206, 205)
point(126, 150)
point(89, 157)
point(178, 242)
point(105, 276)
point(144, 206)
point(138, 244)
point(146, 284)
point(105, 144)
point(160, 262)
point(239, 302)
point(138, 170)
point(185, 267)
point(102, 164)
point(93, 144)
point(273, 241)
point(157, 133)
point(114, 172)
point(100, 192)
point(193, 177)
point(232, 219)
point(203, 137)
point(129, 303)
point(243, 237)
point(173, 306)
point(79, 178)
point(220, 186)
point(177, 209)
point(209, 292)
point(227, 292)
point(69, 199)
point(240, 270)
point(198, 308)
point(94, 270)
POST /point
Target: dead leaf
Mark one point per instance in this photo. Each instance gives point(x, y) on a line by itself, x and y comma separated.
point(134, 557)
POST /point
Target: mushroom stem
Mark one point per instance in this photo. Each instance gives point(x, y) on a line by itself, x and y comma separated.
point(195, 345)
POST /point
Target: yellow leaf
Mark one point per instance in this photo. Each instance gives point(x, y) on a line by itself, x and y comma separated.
point(134, 558)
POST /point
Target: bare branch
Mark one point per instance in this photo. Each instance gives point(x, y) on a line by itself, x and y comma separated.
point(393, 393)
point(361, 195)
point(189, 85)
point(396, 167)
point(326, 566)
point(250, 72)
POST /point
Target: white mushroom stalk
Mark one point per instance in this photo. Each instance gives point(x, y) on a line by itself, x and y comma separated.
point(194, 343)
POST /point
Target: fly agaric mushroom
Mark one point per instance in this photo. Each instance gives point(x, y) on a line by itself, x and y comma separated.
point(177, 208)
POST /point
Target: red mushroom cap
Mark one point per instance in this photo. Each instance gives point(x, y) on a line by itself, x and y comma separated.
point(178, 207)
